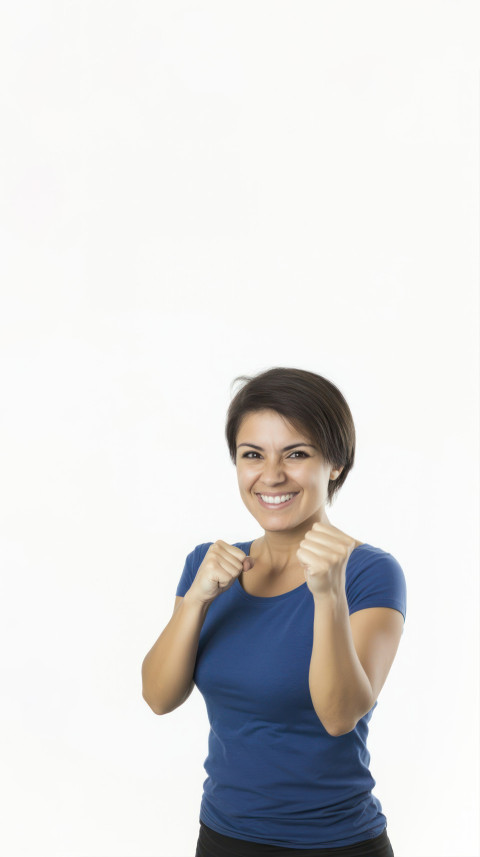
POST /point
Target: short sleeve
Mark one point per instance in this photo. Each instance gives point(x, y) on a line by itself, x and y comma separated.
point(192, 564)
point(378, 581)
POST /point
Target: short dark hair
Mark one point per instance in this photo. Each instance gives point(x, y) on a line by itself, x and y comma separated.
point(308, 401)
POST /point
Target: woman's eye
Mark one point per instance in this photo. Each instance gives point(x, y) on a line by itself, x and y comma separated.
point(297, 452)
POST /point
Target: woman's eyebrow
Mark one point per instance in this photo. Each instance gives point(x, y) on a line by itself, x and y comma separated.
point(285, 448)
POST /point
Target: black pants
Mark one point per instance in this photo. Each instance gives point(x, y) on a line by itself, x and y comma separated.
point(213, 844)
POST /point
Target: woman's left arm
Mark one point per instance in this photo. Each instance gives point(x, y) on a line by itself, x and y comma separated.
point(351, 655)
point(351, 659)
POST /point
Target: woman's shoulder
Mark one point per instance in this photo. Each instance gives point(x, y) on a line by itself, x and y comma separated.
point(367, 548)
point(366, 555)
point(375, 578)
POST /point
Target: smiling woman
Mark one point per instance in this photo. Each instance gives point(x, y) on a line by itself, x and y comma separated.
point(289, 638)
point(312, 405)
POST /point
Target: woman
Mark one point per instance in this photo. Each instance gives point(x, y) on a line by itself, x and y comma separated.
point(289, 638)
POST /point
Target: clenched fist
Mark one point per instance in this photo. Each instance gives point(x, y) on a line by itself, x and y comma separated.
point(324, 553)
point(221, 566)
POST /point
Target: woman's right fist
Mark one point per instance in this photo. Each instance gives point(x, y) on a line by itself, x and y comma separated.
point(221, 566)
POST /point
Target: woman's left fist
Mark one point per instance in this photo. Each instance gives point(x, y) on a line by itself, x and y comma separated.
point(324, 553)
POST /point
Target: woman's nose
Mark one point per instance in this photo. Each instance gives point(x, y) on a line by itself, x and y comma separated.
point(272, 470)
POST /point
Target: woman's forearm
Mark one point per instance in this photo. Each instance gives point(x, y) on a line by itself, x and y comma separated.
point(339, 687)
point(167, 669)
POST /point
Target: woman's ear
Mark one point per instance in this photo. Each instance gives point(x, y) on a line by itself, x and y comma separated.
point(335, 474)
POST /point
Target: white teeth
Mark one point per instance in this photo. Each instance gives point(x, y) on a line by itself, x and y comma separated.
point(276, 500)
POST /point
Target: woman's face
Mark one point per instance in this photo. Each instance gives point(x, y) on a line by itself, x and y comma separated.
point(265, 467)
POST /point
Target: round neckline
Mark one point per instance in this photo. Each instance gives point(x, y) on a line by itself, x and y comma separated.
point(275, 598)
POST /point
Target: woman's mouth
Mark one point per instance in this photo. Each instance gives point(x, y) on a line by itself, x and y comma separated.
point(279, 502)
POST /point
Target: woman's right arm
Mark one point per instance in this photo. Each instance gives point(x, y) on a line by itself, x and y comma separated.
point(167, 669)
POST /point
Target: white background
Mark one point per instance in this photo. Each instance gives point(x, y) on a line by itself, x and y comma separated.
point(193, 191)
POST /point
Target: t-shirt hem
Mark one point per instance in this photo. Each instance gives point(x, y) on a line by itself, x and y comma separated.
point(339, 843)
point(397, 605)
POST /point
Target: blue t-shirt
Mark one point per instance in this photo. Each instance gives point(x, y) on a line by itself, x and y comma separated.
point(275, 775)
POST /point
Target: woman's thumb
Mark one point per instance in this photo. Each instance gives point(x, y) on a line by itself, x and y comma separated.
point(248, 563)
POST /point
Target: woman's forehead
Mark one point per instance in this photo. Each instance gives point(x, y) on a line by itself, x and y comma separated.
point(266, 421)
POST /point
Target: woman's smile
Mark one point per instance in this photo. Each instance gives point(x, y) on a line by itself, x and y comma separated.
point(280, 501)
